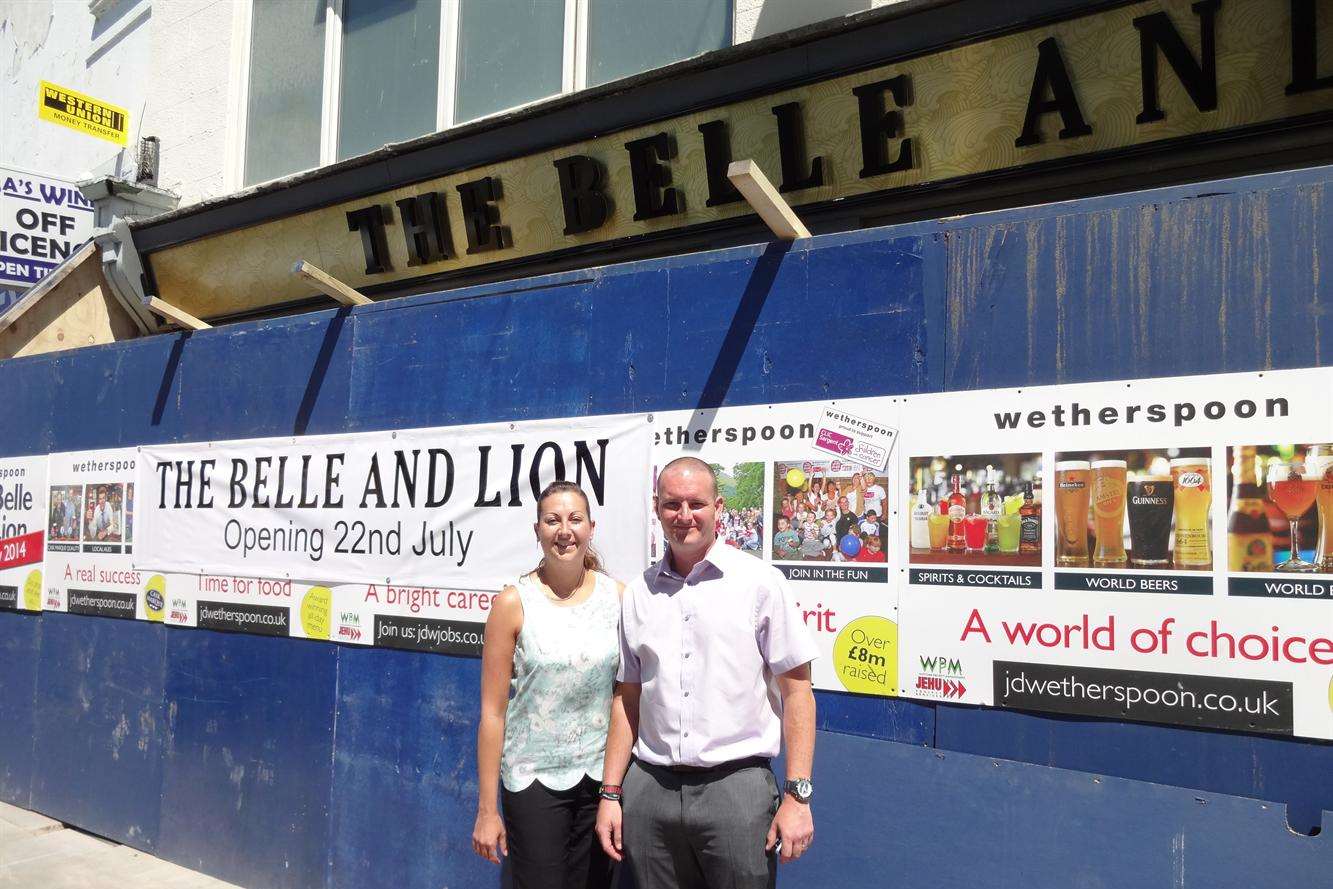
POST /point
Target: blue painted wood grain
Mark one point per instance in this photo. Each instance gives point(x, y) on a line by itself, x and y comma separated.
point(247, 778)
point(99, 726)
point(20, 643)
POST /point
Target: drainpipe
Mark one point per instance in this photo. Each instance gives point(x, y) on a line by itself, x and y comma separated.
point(115, 202)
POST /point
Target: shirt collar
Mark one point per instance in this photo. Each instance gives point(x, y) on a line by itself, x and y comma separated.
point(716, 556)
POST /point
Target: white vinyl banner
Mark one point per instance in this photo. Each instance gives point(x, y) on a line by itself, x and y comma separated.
point(440, 508)
point(1125, 550)
point(1149, 550)
point(90, 537)
point(22, 526)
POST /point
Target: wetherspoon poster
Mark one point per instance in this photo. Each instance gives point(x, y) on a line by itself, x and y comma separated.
point(1150, 550)
point(22, 532)
point(90, 539)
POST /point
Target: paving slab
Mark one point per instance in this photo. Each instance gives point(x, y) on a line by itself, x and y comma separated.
point(39, 851)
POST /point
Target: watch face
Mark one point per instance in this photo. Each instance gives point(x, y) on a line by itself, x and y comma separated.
point(801, 788)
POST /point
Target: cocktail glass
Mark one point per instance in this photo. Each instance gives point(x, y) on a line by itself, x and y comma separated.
point(1293, 492)
point(939, 530)
point(1009, 526)
point(974, 532)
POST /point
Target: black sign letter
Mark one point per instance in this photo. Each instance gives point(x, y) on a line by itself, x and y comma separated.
point(1304, 50)
point(1199, 78)
point(1052, 75)
point(425, 228)
point(878, 125)
point(717, 157)
point(652, 197)
point(586, 206)
point(481, 217)
point(791, 145)
point(370, 221)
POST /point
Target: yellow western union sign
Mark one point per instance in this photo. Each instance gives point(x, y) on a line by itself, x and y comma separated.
point(83, 113)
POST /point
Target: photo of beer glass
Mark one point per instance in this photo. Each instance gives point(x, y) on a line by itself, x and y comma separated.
point(1108, 513)
point(1009, 526)
point(939, 530)
point(1193, 491)
point(1293, 492)
point(1319, 466)
point(1151, 503)
point(1071, 512)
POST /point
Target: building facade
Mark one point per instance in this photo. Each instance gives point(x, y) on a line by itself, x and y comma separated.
point(534, 207)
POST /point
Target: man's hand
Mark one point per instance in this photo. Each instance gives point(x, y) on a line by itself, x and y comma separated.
point(793, 824)
point(608, 828)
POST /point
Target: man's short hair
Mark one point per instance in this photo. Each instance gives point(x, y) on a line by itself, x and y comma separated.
point(693, 463)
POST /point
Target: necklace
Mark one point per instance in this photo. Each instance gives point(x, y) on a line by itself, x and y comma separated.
point(554, 594)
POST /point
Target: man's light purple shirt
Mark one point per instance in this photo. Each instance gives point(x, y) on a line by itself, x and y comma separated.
point(705, 649)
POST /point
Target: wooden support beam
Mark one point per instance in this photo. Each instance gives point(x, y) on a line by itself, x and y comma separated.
point(329, 285)
point(754, 186)
point(175, 315)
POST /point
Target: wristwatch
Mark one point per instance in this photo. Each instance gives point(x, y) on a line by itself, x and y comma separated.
point(800, 788)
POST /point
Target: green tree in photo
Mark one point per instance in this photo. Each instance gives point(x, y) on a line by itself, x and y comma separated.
point(748, 481)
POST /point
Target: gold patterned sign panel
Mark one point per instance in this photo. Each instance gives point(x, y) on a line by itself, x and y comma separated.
point(1126, 77)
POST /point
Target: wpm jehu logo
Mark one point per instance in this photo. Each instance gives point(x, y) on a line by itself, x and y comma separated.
point(940, 677)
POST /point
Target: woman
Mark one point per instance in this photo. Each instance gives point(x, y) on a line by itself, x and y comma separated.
point(553, 636)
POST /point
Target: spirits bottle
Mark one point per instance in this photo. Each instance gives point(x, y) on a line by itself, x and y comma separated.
point(1029, 514)
point(921, 521)
point(991, 509)
point(957, 512)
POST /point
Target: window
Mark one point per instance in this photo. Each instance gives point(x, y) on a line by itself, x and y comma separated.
point(510, 53)
point(390, 72)
point(326, 80)
point(626, 37)
point(286, 87)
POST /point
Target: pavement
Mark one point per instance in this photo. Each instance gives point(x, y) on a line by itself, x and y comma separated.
point(36, 851)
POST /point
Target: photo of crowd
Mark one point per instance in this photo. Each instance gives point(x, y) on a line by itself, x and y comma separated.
point(103, 513)
point(64, 516)
point(828, 512)
point(741, 524)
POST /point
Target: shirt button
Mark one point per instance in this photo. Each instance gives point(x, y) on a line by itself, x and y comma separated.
point(687, 694)
point(687, 734)
point(687, 655)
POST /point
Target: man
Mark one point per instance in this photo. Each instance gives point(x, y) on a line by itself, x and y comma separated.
point(102, 517)
point(705, 635)
point(848, 521)
point(874, 494)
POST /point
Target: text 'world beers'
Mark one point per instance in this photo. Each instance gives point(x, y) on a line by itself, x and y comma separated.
point(399, 479)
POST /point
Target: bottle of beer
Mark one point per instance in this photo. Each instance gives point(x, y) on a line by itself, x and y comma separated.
point(1249, 540)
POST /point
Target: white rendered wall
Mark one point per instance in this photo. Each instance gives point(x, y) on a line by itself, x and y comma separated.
point(166, 62)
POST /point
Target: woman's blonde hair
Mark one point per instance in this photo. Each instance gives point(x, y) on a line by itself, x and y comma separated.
point(591, 560)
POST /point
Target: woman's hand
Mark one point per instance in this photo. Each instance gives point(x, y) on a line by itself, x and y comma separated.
point(488, 837)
